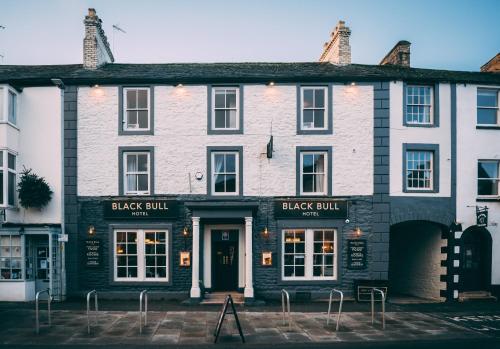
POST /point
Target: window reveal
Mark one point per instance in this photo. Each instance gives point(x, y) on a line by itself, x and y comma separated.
point(418, 104)
point(136, 108)
point(313, 173)
point(313, 108)
point(137, 172)
point(225, 111)
point(225, 173)
point(419, 169)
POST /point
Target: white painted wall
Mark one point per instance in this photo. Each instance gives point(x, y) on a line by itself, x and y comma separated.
point(37, 143)
point(472, 145)
point(400, 134)
point(181, 139)
point(17, 291)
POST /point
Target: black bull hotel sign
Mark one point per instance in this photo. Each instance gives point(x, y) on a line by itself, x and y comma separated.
point(310, 208)
point(137, 209)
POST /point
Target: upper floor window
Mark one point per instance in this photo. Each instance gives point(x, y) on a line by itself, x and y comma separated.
point(7, 178)
point(8, 105)
point(487, 107)
point(225, 173)
point(314, 108)
point(314, 170)
point(136, 112)
point(420, 168)
point(225, 114)
point(136, 173)
point(12, 103)
point(418, 105)
point(488, 177)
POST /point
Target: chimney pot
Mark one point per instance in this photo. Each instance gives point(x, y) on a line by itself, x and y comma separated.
point(338, 49)
point(96, 50)
point(92, 12)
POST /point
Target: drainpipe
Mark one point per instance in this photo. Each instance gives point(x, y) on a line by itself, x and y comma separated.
point(62, 280)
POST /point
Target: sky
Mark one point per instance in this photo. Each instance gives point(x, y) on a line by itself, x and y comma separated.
point(445, 34)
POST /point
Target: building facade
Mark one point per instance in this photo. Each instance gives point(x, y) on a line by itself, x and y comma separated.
point(188, 179)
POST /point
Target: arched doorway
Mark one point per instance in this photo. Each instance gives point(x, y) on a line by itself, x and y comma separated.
point(415, 261)
point(475, 260)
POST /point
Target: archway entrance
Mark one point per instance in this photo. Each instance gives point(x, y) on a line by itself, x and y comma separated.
point(415, 257)
point(475, 260)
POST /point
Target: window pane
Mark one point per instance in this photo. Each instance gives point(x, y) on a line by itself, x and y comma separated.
point(11, 189)
point(231, 99)
point(131, 99)
point(1, 187)
point(142, 184)
point(143, 118)
point(230, 183)
point(319, 118)
point(308, 118)
point(308, 98)
point(1, 153)
point(132, 119)
point(319, 96)
point(308, 183)
point(487, 98)
point(220, 99)
point(12, 107)
point(230, 163)
point(219, 163)
point(231, 118)
point(307, 163)
point(220, 119)
point(142, 160)
point(131, 183)
point(487, 169)
point(319, 163)
point(142, 98)
point(219, 183)
point(12, 161)
point(487, 187)
point(487, 116)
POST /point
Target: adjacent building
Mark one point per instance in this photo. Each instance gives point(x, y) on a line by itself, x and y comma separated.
point(188, 179)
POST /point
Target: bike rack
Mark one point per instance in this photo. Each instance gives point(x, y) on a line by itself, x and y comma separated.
point(37, 313)
point(144, 294)
point(382, 294)
point(96, 310)
point(340, 307)
point(285, 294)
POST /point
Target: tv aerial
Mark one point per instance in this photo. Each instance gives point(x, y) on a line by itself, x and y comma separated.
point(116, 28)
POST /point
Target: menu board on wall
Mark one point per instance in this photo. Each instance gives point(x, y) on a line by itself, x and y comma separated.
point(356, 254)
point(92, 250)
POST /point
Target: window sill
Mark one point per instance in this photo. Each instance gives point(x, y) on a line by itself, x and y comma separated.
point(486, 199)
point(421, 125)
point(14, 280)
point(314, 132)
point(222, 131)
point(135, 132)
point(10, 124)
point(487, 127)
point(427, 191)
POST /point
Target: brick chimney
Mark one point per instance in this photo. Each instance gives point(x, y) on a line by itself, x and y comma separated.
point(399, 55)
point(338, 50)
point(493, 65)
point(96, 51)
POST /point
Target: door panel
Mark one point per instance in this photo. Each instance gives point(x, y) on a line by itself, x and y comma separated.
point(224, 260)
point(476, 261)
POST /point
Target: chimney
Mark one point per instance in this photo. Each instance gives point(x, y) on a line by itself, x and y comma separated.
point(96, 51)
point(493, 65)
point(338, 50)
point(399, 55)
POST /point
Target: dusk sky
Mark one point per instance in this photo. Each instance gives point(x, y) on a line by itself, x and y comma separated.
point(445, 34)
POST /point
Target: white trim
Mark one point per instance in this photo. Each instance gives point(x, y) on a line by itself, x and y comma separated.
point(125, 109)
point(325, 108)
point(207, 252)
point(483, 107)
point(497, 179)
point(125, 173)
point(4, 167)
point(430, 105)
point(236, 173)
point(325, 172)
point(431, 170)
point(237, 109)
point(141, 256)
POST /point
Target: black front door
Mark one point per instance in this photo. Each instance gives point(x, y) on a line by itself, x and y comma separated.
point(476, 260)
point(224, 260)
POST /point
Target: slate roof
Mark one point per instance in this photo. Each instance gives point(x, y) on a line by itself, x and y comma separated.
point(206, 73)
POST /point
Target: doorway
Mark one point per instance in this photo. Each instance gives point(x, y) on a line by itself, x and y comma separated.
point(475, 260)
point(224, 260)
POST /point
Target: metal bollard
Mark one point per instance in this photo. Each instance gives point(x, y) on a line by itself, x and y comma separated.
point(340, 307)
point(285, 295)
point(96, 310)
point(382, 294)
point(37, 313)
point(144, 294)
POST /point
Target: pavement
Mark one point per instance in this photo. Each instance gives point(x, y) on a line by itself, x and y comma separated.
point(467, 325)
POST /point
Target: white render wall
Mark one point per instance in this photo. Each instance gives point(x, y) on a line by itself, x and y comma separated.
point(400, 134)
point(473, 145)
point(181, 140)
point(37, 142)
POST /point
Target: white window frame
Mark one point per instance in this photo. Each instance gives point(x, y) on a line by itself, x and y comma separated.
point(325, 174)
point(236, 173)
point(125, 109)
point(125, 173)
point(431, 169)
point(141, 256)
point(497, 162)
point(22, 257)
point(497, 91)
point(237, 109)
point(5, 90)
point(4, 167)
point(309, 255)
point(325, 114)
point(430, 105)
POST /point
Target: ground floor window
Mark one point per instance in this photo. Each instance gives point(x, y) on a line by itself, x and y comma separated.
point(10, 257)
point(309, 254)
point(141, 255)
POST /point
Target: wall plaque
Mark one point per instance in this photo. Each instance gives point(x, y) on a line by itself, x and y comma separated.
point(481, 216)
point(92, 250)
point(310, 208)
point(356, 254)
point(140, 209)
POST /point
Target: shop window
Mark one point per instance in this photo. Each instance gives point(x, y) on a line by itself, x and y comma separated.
point(141, 255)
point(10, 257)
point(487, 107)
point(314, 116)
point(488, 178)
point(225, 171)
point(421, 168)
point(314, 168)
point(309, 254)
point(8, 176)
point(136, 113)
point(137, 178)
point(225, 114)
